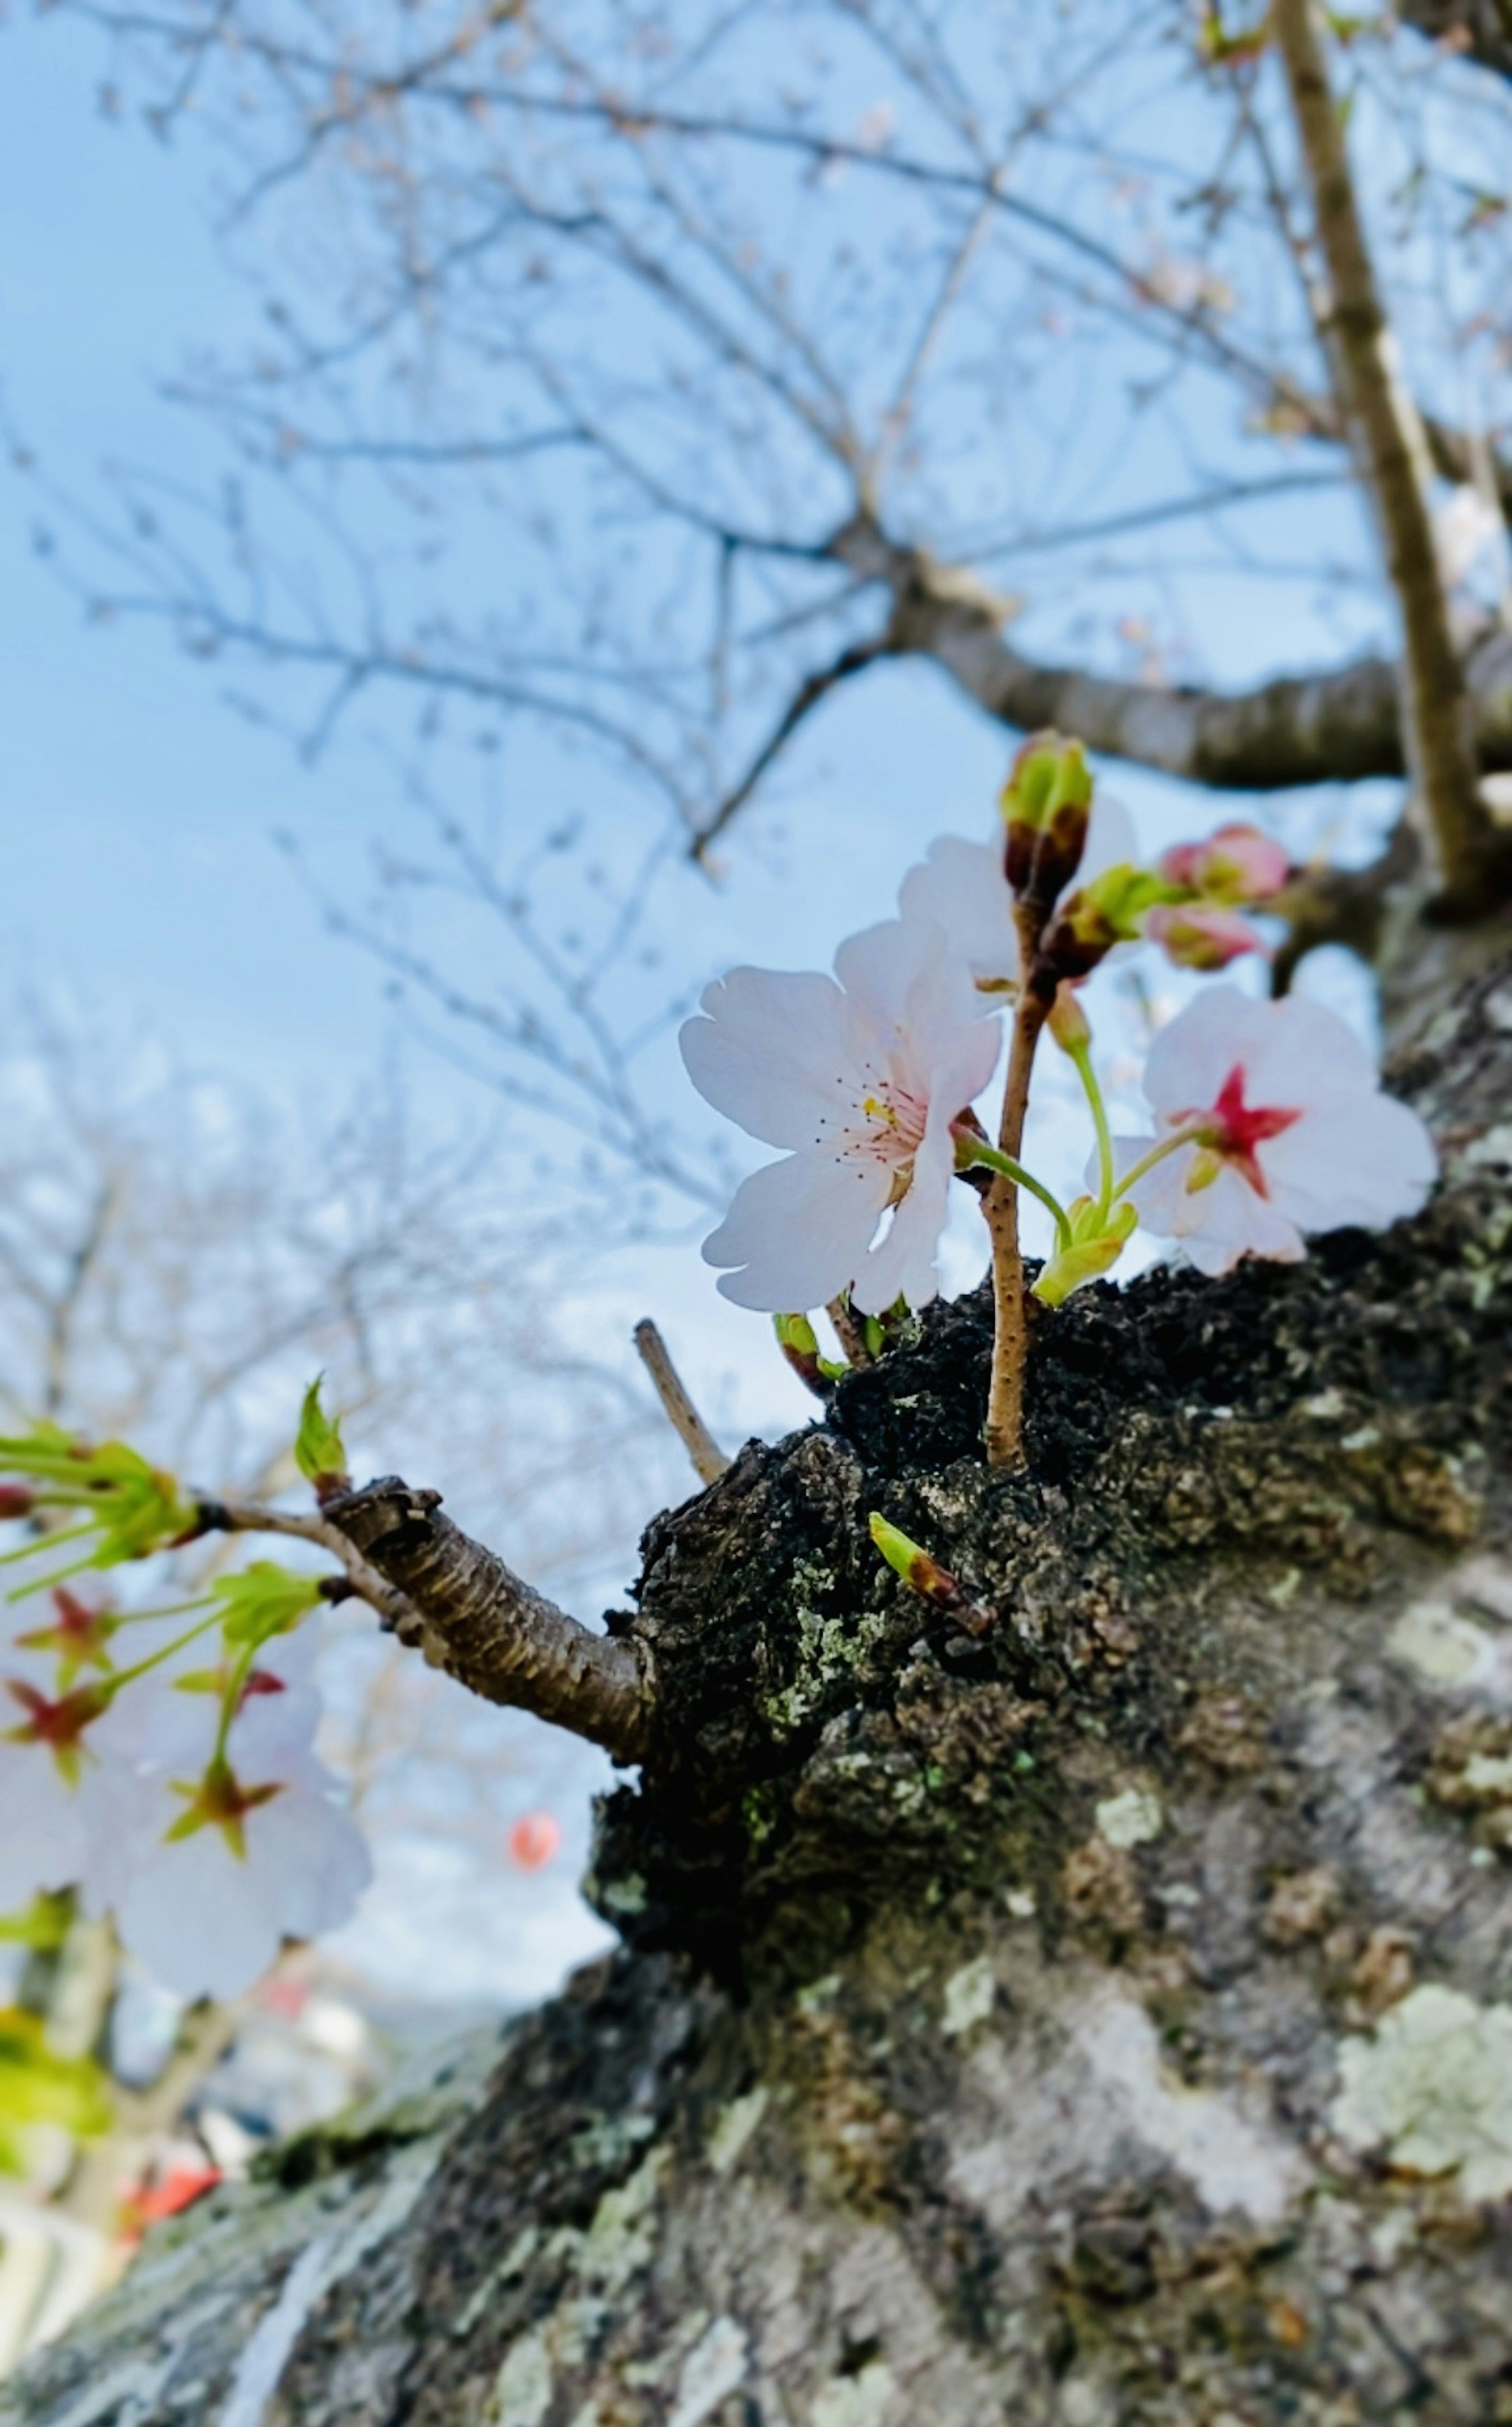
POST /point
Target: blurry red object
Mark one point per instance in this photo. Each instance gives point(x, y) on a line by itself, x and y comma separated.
point(149, 2204)
point(534, 1839)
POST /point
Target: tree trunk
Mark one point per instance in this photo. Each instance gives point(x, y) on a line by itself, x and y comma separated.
point(1106, 2019)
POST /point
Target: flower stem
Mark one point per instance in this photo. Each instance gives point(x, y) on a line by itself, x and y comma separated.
point(1082, 1056)
point(1196, 1135)
point(1003, 1433)
point(989, 1158)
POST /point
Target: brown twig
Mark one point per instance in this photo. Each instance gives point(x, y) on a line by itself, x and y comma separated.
point(473, 1617)
point(710, 1460)
point(1396, 462)
point(251, 1517)
point(849, 1333)
point(1003, 1433)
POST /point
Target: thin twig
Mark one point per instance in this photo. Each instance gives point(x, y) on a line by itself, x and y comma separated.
point(1003, 1433)
point(848, 1332)
point(251, 1517)
point(710, 1460)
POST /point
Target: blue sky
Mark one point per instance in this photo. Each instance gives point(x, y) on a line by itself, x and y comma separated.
point(139, 810)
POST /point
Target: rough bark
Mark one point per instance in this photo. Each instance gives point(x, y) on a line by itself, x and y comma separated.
point(976, 2048)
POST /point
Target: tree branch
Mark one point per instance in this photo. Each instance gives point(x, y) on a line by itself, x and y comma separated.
point(1479, 29)
point(1394, 458)
point(471, 1616)
point(708, 1459)
point(1334, 727)
point(814, 687)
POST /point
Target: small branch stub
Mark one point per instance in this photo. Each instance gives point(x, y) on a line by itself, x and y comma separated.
point(708, 1459)
point(489, 1629)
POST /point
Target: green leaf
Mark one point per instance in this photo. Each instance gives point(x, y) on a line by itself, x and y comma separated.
point(132, 1508)
point(43, 1926)
point(319, 1452)
point(263, 1601)
point(37, 2087)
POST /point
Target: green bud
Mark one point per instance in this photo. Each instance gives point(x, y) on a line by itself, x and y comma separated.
point(1046, 805)
point(926, 1576)
point(799, 1342)
point(1067, 1022)
point(1111, 910)
point(1098, 1241)
point(319, 1452)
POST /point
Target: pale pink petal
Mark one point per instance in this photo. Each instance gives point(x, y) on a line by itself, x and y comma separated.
point(309, 1856)
point(1305, 1055)
point(1110, 842)
point(42, 1841)
point(1217, 1224)
point(1369, 1163)
point(199, 1920)
point(878, 966)
point(1192, 1057)
point(961, 888)
point(800, 1230)
point(771, 1052)
point(902, 1265)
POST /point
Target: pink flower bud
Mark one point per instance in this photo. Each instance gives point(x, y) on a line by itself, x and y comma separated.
point(1201, 934)
point(15, 1501)
point(1236, 864)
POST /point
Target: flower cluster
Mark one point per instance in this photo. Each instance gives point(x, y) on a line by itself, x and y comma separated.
point(1268, 1122)
point(160, 1761)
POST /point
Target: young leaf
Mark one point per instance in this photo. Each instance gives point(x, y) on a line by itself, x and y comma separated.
point(263, 1601)
point(319, 1452)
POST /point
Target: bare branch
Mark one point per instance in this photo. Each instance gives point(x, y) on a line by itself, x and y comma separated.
point(710, 1460)
point(484, 1626)
point(252, 1517)
point(1332, 727)
point(1478, 29)
point(815, 687)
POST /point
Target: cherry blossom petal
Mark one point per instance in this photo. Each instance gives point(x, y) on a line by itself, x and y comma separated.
point(769, 1050)
point(962, 888)
point(43, 1839)
point(1368, 1164)
point(1216, 1223)
point(207, 1921)
point(903, 1262)
point(800, 1230)
point(199, 1920)
point(1192, 1057)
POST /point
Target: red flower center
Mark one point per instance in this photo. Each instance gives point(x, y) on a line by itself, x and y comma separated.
point(1240, 1127)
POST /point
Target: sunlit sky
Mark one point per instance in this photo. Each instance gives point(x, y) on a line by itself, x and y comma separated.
point(140, 874)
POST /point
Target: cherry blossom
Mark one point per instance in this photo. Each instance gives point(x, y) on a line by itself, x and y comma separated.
point(267, 1858)
point(962, 887)
point(1237, 863)
point(1287, 1130)
point(211, 1856)
point(861, 1078)
point(1201, 934)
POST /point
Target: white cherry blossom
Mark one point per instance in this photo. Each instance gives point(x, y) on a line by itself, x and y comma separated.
point(961, 886)
point(208, 1914)
point(860, 1080)
point(1296, 1133)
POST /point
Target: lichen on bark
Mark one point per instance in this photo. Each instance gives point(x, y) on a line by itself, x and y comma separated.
point(1002, 2022)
